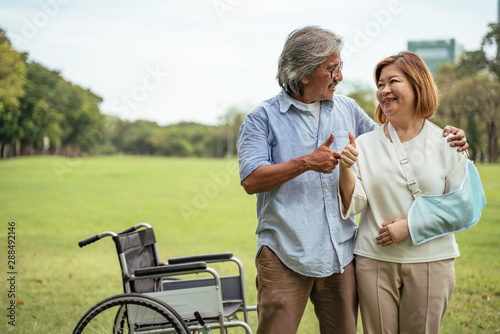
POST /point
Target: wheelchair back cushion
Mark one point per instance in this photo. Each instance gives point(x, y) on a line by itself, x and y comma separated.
point(138, 249)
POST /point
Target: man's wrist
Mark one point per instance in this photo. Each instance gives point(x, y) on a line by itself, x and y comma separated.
point(303, 163)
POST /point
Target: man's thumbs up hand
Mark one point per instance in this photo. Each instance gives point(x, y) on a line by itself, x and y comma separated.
point(323, 159)
point(329, 141)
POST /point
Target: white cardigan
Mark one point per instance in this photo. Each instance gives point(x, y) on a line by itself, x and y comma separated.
point(381, 191)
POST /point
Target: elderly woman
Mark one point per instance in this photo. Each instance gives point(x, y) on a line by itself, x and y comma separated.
point(402, 288)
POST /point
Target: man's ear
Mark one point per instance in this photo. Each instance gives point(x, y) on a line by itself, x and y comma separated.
point(305, 81)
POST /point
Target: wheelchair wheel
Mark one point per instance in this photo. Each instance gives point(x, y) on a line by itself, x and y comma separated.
point(131, 313)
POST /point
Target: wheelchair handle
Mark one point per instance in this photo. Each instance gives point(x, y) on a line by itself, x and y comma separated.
point(96, 237)
point(135, 227)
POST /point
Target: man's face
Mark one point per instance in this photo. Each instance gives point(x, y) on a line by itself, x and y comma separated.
point(321, 86)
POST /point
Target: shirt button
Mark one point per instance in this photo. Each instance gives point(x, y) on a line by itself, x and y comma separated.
point(326, 190)
point(330, 214)
point(310, 117)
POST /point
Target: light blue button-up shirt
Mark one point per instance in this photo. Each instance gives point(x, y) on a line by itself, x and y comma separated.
point(300, 220)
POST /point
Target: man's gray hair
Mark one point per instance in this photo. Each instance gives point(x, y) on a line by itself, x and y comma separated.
point(305, 49)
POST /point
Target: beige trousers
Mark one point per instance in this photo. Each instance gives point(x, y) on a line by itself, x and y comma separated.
point(403, 298)
point(283, 295)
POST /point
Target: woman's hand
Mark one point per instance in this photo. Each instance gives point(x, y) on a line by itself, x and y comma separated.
point(347, 180)
point(393, 231)
point(458, 139)
point(349, 154)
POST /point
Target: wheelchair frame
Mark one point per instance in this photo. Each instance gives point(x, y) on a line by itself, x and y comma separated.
point(184, 305)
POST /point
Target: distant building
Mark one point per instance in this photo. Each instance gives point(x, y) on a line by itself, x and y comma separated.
point(435, 52)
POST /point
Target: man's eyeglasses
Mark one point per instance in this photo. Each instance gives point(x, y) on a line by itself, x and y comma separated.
point(335, 70)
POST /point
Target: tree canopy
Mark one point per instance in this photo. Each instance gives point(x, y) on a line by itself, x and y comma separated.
point(470, 96)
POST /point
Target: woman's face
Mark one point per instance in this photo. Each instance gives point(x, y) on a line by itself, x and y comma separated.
point(395, 93)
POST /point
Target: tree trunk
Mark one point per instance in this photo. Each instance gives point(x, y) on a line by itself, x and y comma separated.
point(18, 147)
point(492, 142)
point(473, 154)
point(58, 148)
point(5, 150)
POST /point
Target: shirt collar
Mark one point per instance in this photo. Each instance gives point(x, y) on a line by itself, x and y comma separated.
point(285, 101)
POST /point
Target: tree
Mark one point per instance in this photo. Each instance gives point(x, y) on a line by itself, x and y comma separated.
point(229, 127)
point(183, 139)
point(492, 38)
point(82, 122)
point(189, 139)
point(363, 94)
point(39, 112)
point(68, 115)
point(12, 78)
point(137, 139)
point(472, 102)
point(37, 104)
point(472, 86)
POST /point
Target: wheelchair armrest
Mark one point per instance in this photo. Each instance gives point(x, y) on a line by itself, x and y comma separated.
point(215, 257)
point(171, 268)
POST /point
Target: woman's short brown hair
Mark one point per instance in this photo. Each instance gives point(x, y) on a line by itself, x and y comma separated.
point(420, 78)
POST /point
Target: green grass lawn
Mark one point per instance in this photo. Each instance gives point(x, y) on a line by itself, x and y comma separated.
point(195, 206)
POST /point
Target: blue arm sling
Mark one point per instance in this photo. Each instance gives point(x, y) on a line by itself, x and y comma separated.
point(433, 216)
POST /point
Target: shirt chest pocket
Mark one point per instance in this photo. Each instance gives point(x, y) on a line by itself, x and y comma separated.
point(341, 140)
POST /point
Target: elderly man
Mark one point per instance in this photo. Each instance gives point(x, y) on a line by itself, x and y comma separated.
point(288, 149)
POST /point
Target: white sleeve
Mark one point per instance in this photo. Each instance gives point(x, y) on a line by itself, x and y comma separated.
point(359, 200)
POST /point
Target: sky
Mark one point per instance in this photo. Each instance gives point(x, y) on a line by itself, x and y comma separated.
point(169, 61)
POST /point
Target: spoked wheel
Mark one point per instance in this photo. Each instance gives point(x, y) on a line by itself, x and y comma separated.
point(131, 313)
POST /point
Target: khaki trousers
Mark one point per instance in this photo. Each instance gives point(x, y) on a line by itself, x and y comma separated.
point(403, 298)
point(283, 295)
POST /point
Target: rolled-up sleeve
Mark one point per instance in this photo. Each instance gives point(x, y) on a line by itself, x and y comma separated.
point(359, 200)
point(253, 143)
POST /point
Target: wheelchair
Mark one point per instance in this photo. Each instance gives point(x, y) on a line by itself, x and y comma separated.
point(183, 296)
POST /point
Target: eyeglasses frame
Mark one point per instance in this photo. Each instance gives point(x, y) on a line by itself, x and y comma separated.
point(336, 69)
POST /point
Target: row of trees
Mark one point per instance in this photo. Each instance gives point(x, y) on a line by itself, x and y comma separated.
point(40, 110)
point(42, 113)
point(182, 139)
